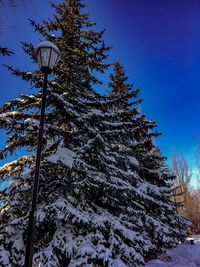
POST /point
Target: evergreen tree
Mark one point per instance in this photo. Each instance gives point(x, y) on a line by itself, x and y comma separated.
point(162, 225)
point(96, 196)
point(85, 198)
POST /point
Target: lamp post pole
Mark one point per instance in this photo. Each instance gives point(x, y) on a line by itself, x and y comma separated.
point(32, 214)
point(47, 55)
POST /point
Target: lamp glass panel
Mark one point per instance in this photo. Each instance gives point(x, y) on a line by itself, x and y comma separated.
point(39, 58)
point(53, 59)
point(45, 54)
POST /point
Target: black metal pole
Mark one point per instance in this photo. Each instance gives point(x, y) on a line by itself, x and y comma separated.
point(32, 214)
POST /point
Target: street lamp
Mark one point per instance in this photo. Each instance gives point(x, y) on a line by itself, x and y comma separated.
point(47, 55)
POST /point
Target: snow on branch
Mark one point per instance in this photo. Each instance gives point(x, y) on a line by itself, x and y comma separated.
point(64, 155)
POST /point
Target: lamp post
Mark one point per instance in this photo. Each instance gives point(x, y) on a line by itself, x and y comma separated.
point(47, 55)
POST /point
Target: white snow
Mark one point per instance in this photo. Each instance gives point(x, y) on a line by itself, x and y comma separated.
point(184, 255)
point(134, 161)
point(64, 155)
point(117, 263)
point(4, 255)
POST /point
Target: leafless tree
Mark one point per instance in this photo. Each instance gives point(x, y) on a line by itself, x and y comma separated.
point(190, 198)
point(182, 171)
point(5, 6)
point(10, 3)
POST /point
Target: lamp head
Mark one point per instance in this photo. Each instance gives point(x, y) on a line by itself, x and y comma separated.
point(47, 55)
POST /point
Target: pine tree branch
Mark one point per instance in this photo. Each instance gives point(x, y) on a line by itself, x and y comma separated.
point(5, 51)
point(15, 166)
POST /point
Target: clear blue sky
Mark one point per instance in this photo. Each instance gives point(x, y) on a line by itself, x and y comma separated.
point(158, 42)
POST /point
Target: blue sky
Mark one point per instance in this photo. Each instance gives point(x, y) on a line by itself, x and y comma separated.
point(158, 42)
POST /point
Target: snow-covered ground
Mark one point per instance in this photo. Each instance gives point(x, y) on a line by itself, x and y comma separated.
point(184, 255)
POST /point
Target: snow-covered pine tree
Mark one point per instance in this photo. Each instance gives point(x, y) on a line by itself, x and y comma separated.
point(163, 227)
point(87, 212)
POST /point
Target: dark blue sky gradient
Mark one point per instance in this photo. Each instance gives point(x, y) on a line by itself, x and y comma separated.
point(158, 42)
